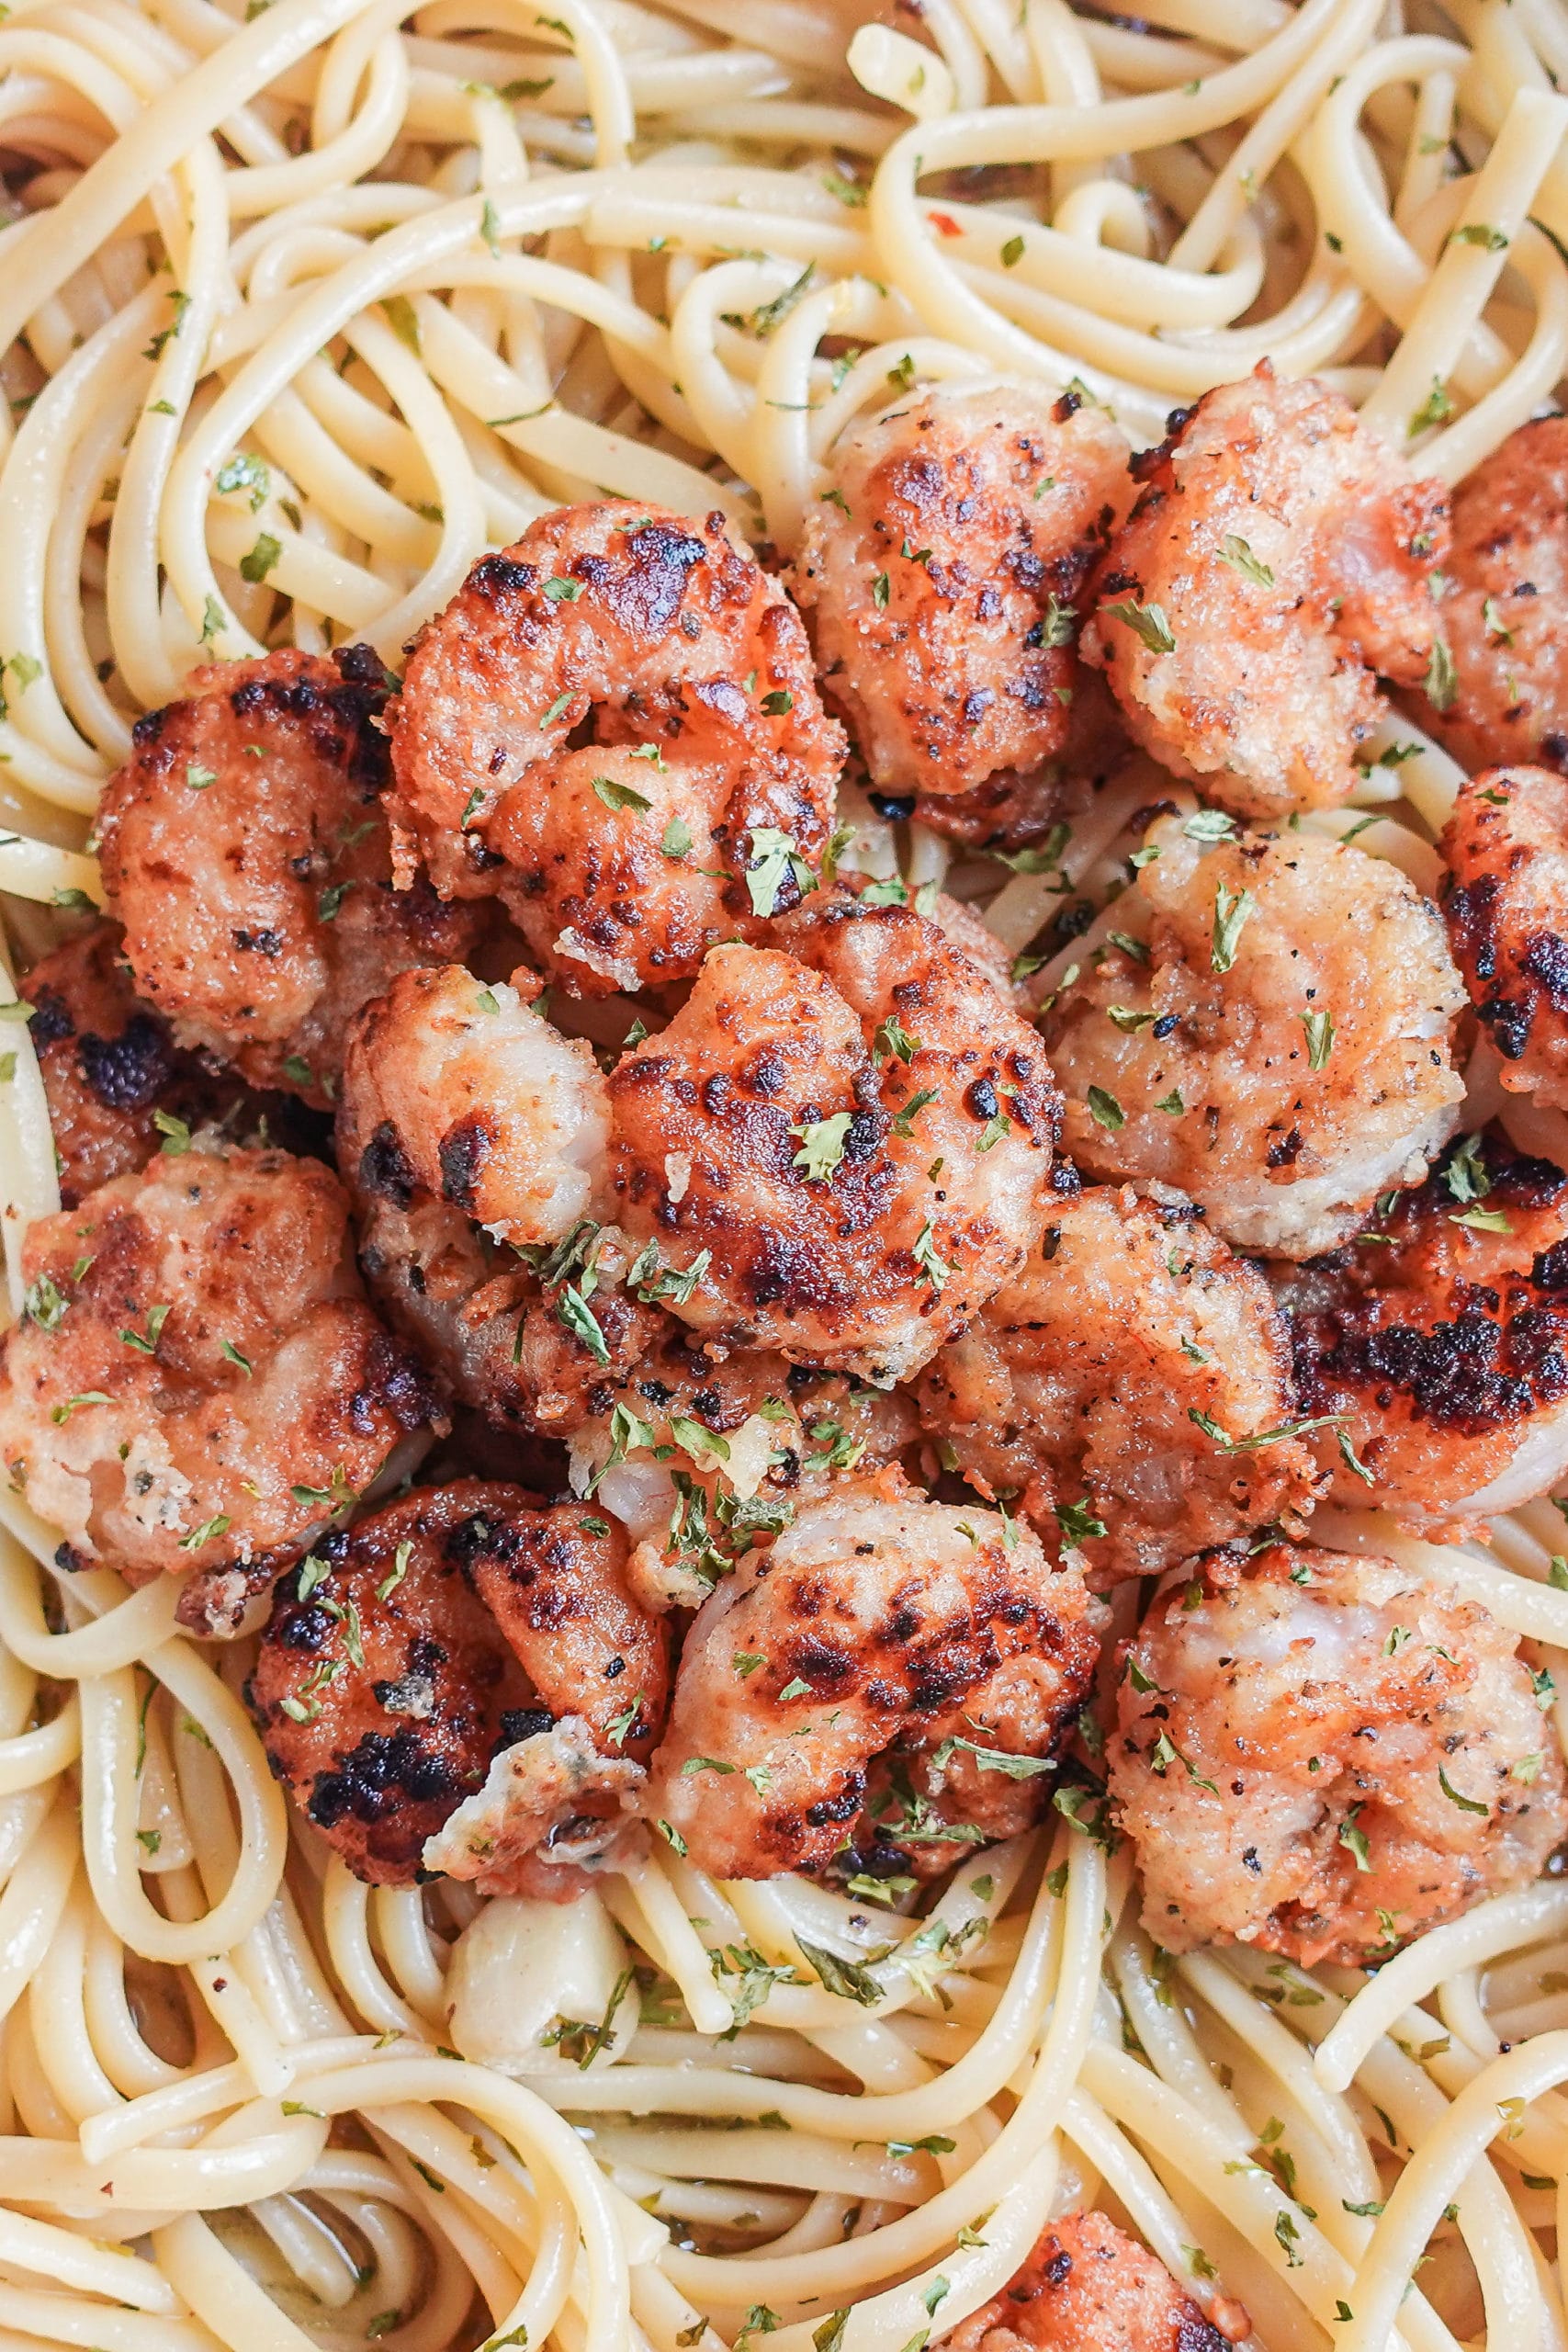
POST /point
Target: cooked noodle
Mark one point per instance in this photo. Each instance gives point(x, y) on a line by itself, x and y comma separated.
point(301, 307)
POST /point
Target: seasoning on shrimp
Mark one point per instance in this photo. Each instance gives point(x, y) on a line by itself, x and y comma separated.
point(539, 1348)
point(702, 796)
point(944, 572)
point(1325, 1756)
point(245, 853)
point(1276, 564)
point(1087, 2287)
point(1132, 1384)
point(695, 1453)
point(703, 1457)
point(878, 1626)
point(1009, 812)
point(479, 1102)
point(1438, 1344)
point(472, 1134)
point(197, 1381)
point(1268, 1030)
point(556, 1582)
point(1505, 698)
point(428, 1652)
point(845, 1137)
point(1507, 903)
point(118, 1086)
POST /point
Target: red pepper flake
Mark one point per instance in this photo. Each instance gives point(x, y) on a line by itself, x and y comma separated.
point(945, 222)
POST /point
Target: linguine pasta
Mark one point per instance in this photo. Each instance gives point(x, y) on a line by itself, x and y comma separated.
point(302, 307)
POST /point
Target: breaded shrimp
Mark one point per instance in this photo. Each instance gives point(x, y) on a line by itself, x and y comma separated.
point(1269, 1032)
point(849, 1133)
point(1441, 1345)
point(607, 726)
point(878, 1621)
point(414, 1651)
point(1508, 575)
point(1327, 1755)
point(197, 1382)
point(110, 1067)
point(1087, 2287)
point(465, 1092)
point(1277, 562)
point(942, 573)
point(1132, 1384)
point(1507, 903)
point(245, 851)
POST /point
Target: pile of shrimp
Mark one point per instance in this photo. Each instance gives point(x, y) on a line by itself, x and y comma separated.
point(655, 1333)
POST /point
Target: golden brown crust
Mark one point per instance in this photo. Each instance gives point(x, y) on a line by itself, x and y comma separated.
point(664, 639)
point(879, 1625)
point(942, 574)
point(411, 1650)
point(381, 1696)
point(555, 1582)
point(109, 1065)
point(245, 853)
point(198, 1382)
point(1285, 554)
point(1507, 903)
point(867, 1267)
point(1441, 1347)
point(1009, 811)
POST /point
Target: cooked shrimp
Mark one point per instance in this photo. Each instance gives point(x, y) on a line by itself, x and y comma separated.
point(382, 1685)
point(110, 1067)
point(472, 1134)
point(1269, 1032)
point(1132, 1382)
point(1011, 812)
point(245, 851)
point(719, 1424)
point(878, 1621)
point(704, 1458)
point(943, 573)
point(557, 1584)
point(197, 1382)
point(849, 1134)
point(683, 672)
point(465, 1092)
point(531, 1348)
point(1325, 1756)
point(1278, 561)
point(416, 1650)
point(974, 939)
point(1088, 2287)
point(1441, 1345)
point(1508, 575)
point(1507, 903)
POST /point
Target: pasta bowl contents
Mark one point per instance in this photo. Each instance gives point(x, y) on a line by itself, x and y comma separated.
point(784, 951)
